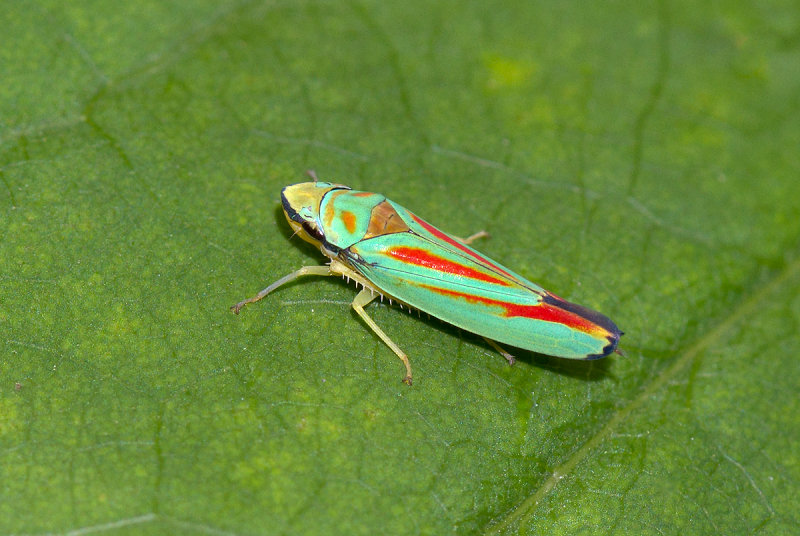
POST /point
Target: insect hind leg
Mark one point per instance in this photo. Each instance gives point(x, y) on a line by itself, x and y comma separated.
point(501, 351)
point(471, 238)
point(363, 298)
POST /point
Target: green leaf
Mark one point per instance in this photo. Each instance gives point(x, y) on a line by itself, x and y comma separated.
point(637, 158)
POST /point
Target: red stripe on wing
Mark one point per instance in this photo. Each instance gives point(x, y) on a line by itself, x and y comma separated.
point(421, 257)
point(440, 235)
point(541, 311)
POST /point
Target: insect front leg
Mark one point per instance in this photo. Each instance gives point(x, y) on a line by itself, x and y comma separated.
point(305, 270)
point(362, 299)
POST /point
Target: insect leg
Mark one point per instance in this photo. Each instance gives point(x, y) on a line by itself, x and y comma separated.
point(362, 299)
point(501, 351)
point(306, 270)
point(480, 234)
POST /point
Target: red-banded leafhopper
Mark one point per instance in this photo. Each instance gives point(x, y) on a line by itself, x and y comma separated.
point(393, 253)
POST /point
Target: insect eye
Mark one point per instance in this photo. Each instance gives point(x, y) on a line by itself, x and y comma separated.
point(313, 231)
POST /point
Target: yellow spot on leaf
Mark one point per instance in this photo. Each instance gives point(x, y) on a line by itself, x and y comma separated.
point(508, 72)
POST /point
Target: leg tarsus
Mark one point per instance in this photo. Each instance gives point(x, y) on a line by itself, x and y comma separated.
point(501, 351)
point(362, 299)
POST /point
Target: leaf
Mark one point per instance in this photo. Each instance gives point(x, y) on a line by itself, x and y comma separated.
point(639, 159)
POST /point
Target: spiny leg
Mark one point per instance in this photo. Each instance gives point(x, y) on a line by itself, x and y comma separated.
point(480, 234)
point(362, 299)
point(501, 351)
point(305, 270)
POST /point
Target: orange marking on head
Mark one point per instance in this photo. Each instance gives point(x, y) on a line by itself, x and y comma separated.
point(330, 212)
point(349, 220)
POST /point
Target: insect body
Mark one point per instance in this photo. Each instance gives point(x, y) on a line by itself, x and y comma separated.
point(392, 252)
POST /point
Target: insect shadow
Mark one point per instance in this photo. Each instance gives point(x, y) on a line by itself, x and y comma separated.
point(591, 370)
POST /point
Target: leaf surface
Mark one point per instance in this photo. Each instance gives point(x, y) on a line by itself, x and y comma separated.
point(638, 159)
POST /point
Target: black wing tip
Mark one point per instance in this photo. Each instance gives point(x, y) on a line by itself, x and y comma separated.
point(594, 357)
point(610, 348)
point(592, 316)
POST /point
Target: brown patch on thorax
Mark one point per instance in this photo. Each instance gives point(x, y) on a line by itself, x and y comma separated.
point(385, 220)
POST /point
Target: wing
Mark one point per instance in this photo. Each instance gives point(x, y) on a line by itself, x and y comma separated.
point(436, 273)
